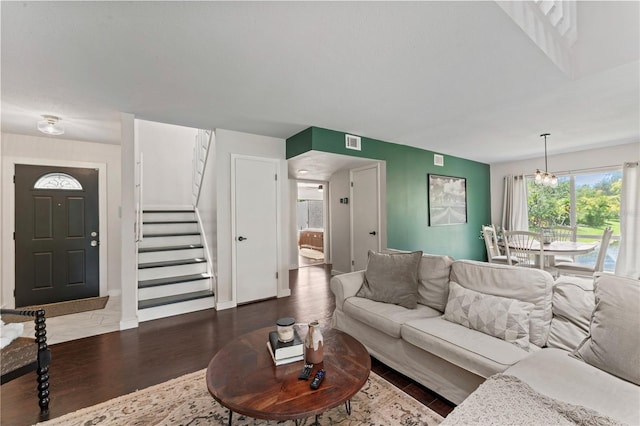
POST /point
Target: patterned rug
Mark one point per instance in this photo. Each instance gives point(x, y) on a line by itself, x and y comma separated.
point(186, 401)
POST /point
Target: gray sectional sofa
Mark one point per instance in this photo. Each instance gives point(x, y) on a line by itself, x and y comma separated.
point(453, 359)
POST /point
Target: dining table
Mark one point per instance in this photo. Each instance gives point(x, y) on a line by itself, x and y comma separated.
point(561, 248)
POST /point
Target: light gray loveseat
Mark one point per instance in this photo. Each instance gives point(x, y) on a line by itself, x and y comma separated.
point(454, 360)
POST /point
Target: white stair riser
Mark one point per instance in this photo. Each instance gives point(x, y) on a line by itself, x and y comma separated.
point(173, 289)
point(162, 256)
point(168, 216)
point(164, 311)
point(171, 271)
point(169, 228)
point(180, 240)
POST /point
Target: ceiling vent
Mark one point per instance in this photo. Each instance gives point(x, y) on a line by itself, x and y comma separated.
point(438, 160)
point(352, 142)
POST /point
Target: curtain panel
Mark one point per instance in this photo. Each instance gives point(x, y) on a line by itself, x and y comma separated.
point(515, 212)
point(628, 263)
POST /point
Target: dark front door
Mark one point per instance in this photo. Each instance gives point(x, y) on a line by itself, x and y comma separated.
point(56, 239)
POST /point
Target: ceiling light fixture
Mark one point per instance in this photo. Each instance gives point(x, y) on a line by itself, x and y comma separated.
point(546, 178)
point(303, 171)
point(50, 125)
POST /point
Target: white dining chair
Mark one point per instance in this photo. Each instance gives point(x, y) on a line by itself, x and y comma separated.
point(575, 268)
point(493, 248)
point(564, 233)
point(525, 247)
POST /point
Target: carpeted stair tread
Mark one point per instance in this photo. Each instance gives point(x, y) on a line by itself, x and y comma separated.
point(172, 280)
point(171, 234)
point(167, 211)
point(167, 222)
point(167, 300)
point(169, 248)
point(166, 263)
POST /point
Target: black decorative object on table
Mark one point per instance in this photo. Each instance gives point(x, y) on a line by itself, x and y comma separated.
point(40, 363)
point(317, 379)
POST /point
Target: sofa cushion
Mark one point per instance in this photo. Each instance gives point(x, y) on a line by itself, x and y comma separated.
point(477, 352)
point(392, 278)
point(433, 280)
point(573, 304)
point(613, 344)
point(385, 317)
point(506, 319)
point(524, 284)
point(556, 374)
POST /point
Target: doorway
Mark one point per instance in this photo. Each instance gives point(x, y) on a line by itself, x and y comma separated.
point(56, 234)
point(310, 223)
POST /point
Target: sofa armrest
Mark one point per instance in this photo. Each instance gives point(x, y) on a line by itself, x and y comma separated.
point(346, 285)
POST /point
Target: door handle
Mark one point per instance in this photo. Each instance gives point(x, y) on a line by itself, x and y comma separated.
point(372, 233)
point(241, 238)
point(94, 243)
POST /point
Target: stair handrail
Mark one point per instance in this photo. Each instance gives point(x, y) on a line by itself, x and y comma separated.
point(200, 155)
point(139, 211)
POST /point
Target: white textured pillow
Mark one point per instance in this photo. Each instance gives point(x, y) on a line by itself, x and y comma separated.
point(507, 319)
point(613, 344)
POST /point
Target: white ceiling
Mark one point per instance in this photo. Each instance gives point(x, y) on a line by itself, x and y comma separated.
point(459, 78)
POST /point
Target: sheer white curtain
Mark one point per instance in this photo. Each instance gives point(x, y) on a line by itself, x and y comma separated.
point(515, 214)
point(628, 263)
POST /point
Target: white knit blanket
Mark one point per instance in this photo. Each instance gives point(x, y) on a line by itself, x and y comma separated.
point(506, 400)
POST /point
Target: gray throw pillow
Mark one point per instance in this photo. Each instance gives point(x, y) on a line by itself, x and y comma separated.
point(392, 278)
point(507, 319)
point(613, 344)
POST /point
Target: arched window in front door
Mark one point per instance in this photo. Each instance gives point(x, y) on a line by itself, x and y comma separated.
point(58, 180)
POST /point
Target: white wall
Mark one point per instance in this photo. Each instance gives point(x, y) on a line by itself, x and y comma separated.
point(229, 142)
point(167, 152)
point(55, 151)
point(573, 161)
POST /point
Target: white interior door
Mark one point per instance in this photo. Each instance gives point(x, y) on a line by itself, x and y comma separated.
point(365, 215)
point(255, 217)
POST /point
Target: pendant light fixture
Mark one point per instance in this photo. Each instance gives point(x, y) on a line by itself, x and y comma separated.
point(50, 125)
point(544, 177)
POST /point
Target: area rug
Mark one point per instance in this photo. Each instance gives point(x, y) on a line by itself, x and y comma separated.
point(186, 401)
point(61, 308)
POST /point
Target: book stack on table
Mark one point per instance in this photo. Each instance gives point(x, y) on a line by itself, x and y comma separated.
point(285, 352)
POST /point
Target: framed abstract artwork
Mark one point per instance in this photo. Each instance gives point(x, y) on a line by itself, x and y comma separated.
point(447, 200)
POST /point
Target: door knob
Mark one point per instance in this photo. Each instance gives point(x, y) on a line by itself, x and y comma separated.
point(94, 243)
point(372, 233)
point(241, 238)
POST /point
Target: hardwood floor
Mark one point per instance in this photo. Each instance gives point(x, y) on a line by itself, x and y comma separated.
point(88, 371)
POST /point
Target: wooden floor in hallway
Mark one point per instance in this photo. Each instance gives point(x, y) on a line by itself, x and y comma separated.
point(91, 370)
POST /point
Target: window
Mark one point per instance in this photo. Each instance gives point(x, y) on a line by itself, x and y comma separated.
point(590, 201)
point(310, 214)
point(58, 181)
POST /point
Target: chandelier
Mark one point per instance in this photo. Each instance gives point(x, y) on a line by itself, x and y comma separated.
point(544, 177)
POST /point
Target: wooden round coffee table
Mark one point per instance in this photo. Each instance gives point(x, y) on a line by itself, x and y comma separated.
point(243, 377)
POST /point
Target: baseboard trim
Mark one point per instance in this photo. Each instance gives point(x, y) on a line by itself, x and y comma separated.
point(220, 306)
point(284, 293)
point(128, 324)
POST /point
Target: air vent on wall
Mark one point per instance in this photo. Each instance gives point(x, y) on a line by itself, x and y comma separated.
point(438, 160)
point(352, 142)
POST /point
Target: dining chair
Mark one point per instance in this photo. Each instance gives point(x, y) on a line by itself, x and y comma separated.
point(525, 247)
point(564, 233)
point(491, 242)
point(574, 268)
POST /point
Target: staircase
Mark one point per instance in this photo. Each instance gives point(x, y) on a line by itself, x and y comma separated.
point(174, 276)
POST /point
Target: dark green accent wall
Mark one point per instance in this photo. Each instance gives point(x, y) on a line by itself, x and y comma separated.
point(407, 207)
